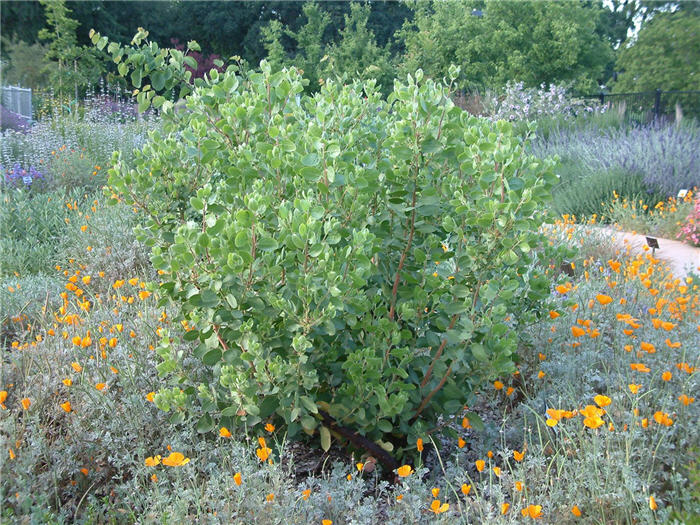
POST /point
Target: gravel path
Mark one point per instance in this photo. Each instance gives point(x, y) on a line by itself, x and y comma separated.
point(681, 258)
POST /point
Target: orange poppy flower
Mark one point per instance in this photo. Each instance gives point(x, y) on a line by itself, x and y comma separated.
point(602, 401)
point(480, 463)
point(26, 402)
point(685, 399)
point(404, 471)
point(466, 488)
point(648, 347)
point(518, 456)
point(269, 427)
point(437, 508)
point(175, 459)
point(576, 511)
point(224, 432)
point(604, 299)
point(577, 332)
point(152, 461)
point(263, 453)
point(66, 406)
point(533, 511)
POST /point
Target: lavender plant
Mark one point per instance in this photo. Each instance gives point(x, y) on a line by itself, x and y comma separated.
point(665, 156)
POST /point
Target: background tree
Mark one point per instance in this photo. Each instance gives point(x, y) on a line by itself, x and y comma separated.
point(357, 53)
point(310, 43)
point(25, 64)
point(663, 56)
point(76, 66)
point(534, 42)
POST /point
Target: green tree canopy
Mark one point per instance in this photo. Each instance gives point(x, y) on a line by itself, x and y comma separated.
point(664, 55)
point(494, 42)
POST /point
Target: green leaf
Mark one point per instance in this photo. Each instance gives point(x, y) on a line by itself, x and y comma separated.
point(209, 298)
point(190, 61)
point(325, 438)
point(212, 357)
point(205, 424)
point(310, 160)
point(479, 352)
point(136, 78)
point(309, 404)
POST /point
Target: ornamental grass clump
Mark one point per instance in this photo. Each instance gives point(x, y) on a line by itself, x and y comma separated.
point(349, 267)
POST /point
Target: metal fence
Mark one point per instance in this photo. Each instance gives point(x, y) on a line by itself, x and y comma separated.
point(647, 105)
point(18, 100)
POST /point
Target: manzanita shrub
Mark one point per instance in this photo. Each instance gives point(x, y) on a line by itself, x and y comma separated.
point(347, 266)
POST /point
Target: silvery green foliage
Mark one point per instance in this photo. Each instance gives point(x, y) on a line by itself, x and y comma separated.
point(519, 103)
point(345, 261)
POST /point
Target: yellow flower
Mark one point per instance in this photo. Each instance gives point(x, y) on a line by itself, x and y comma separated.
point(237, 478)
point(652, 503)
point(519, 486)
point(466, 488)
point(326, 522)
point(480, 463)
point(224, 432)
point(176, 459)
point(77, 367)
point(497, 471)
point(270, 497)
point(150, 396)
point(437, 508)
point(66, 406)
point(634, 388)
point(602, 401)
point(404, 471)
point(67, 382)
point(360, 466)
point(435, 492)
point(144, 294)
point(504, 508)
point(152, 461)
point(100, 386)
point(518, 456)
point(26, 403)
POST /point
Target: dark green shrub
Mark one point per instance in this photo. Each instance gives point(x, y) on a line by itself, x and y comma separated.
point(350, 266)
